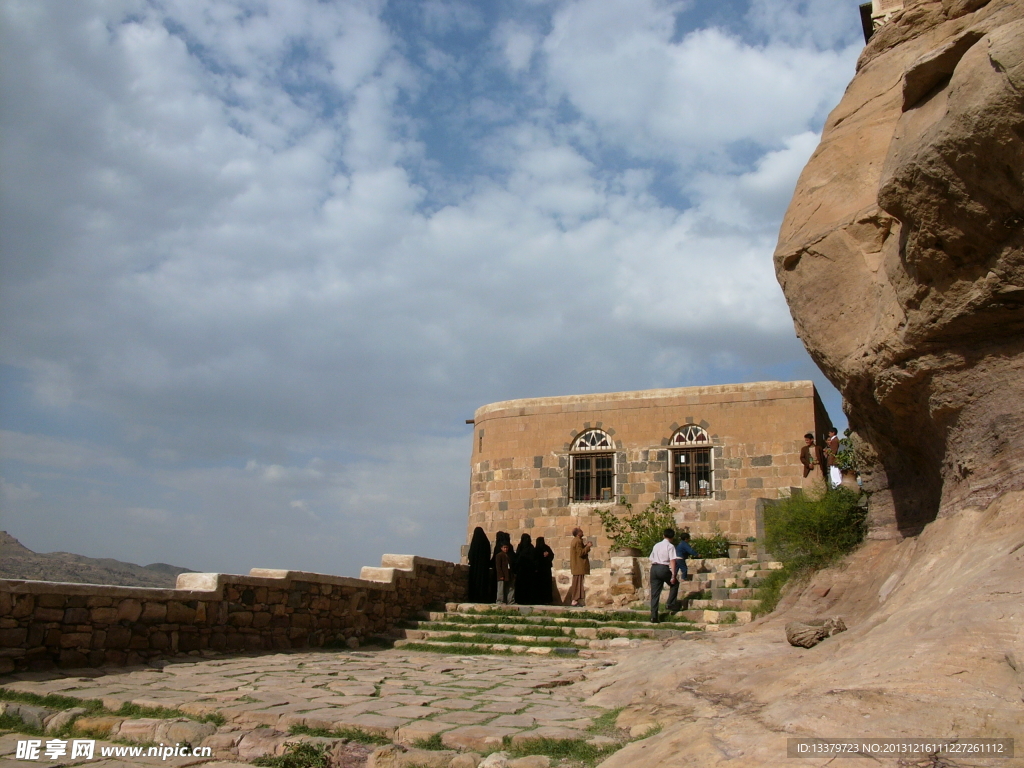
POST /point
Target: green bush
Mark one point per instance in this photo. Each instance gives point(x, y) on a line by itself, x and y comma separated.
point(848, 459)
point(804, 533)
point(715, 545)
point(807, 534)
point(641, 530)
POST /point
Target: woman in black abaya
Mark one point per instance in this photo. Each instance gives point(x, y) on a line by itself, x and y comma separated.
point(545, 562)
point(526, 577)
point(479, 567)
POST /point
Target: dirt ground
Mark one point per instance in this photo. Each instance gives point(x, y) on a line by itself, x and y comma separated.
point(935, 649)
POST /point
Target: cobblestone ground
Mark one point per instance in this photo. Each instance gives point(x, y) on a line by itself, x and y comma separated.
point(469, 700)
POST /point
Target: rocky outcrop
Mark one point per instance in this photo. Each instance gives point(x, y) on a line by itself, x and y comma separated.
point(902, 258)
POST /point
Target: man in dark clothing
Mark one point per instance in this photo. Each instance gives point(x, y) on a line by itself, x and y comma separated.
point(683, 551)
point(545, 562)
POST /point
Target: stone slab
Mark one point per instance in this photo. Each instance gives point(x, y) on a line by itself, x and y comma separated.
point(478, 738)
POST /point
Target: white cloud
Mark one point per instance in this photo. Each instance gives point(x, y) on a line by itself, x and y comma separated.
point(12, 493)
point(242, 277)
point(618, 63)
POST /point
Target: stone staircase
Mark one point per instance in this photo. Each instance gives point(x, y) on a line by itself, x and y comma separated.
point(719, 594)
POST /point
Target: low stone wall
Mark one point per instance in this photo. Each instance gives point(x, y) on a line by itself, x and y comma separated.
point(45, 624)
point(623, 581)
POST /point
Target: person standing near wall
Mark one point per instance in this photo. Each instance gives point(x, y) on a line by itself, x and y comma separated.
point(809, 454)
point(545, 562)
point(503, 571)
point(579, 565)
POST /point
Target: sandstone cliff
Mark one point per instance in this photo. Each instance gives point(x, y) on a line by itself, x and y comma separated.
point(902, 257)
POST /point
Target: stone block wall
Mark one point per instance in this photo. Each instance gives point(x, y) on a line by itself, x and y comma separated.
point(45, 624)
point(519, 478)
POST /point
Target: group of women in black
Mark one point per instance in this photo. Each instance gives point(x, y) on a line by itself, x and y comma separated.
point(531, 565)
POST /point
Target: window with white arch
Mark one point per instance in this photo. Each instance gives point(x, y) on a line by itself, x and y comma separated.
point(692, 462)
point(592, 467)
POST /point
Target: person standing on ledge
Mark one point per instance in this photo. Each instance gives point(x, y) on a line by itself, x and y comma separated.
point(810, 455)
point(663, 566)
point(835, 477)
point(579, 565)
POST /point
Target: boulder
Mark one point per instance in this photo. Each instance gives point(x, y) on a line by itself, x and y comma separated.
point(398, 756)
point(57, 721)
point(813, 632)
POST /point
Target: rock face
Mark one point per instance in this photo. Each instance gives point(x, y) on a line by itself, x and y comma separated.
point(902, 258)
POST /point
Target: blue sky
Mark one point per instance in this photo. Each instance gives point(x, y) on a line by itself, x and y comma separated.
point(260, 261)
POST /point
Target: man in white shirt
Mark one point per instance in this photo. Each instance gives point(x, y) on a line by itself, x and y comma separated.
point(663, 568)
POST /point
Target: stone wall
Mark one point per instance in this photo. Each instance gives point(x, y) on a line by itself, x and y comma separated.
point(45, 624)
point(520, 464)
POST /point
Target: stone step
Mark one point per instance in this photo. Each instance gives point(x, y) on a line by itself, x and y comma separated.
point(554, 615)
point(728, 603)
point(483, 648)
point(519, 631)
point(621, 616)
point(489, 637)
point(711, 617)
point(580, 627)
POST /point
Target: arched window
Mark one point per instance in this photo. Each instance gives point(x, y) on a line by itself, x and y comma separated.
point(692, 470)
point(592, 467)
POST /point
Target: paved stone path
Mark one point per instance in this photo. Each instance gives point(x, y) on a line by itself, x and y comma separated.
point(472, 701)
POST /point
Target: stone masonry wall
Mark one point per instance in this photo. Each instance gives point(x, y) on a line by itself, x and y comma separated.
point(519, 478)
point(45, 624)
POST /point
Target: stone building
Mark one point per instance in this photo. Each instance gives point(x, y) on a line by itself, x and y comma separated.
point(542, 465)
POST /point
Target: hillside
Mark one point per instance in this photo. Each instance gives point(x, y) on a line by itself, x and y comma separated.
point(19, 562)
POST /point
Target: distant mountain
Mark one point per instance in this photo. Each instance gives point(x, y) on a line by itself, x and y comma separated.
point(19, 562)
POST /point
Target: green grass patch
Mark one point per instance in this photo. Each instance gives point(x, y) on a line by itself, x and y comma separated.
point(770, 590)
point(52, 701)
point(165, 713)
point(470, 650)
point(95, 707)
point(576, 750)
point(807, 534)
point(459, 638)
point(298, 756)
point(352, 734)
point(498, 612)
point(434, 743)
point(12, 723)
point(604, 724)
